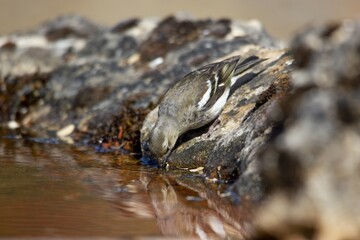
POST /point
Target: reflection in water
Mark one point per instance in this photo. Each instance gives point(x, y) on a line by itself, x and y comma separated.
point(186, 206)
point(54, 190)
point(60, 190)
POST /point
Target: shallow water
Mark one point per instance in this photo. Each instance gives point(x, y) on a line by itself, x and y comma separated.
point(54, 190)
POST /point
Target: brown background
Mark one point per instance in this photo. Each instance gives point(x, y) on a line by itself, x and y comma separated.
point(281, 17)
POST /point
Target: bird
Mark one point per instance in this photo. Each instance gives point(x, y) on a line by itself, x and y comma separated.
point(194, 101)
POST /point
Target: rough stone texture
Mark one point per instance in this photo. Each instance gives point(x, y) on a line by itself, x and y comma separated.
point(311, 166)
point(74, 74)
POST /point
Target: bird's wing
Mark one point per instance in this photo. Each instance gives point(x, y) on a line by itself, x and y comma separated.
point(223, 75)
point(219, 81)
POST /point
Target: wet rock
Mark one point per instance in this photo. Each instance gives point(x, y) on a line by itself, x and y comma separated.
point(311, 166)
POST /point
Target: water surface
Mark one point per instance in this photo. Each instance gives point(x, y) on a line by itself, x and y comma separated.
point(55, 190)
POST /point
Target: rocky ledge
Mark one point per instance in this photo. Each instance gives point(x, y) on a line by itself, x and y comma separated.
point(289, 135)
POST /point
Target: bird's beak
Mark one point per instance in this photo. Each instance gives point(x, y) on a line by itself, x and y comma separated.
point(150, 159)
point(163, 163)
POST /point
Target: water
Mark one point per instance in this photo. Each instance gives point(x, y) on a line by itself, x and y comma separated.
point(54, 190)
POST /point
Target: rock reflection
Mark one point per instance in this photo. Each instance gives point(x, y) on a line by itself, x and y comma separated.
point(209, 216)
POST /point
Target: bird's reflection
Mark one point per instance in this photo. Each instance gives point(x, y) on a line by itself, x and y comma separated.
point(187, 206)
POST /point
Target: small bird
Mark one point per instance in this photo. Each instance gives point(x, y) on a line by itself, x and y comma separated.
point(194, 101)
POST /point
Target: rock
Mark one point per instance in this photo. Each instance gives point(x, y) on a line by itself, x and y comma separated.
point(104, 80)
point(311, 165)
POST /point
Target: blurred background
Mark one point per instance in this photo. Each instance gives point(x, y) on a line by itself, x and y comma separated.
point(281, 17)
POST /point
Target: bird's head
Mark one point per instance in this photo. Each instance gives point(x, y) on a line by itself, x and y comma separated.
point(162, 139)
